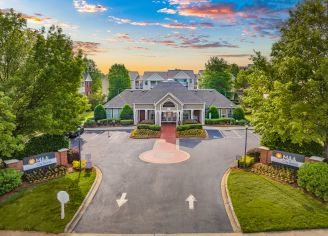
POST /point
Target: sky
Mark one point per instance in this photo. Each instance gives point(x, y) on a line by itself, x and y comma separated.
point(157, 35)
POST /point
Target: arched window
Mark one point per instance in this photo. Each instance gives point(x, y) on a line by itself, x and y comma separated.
point(168, 104)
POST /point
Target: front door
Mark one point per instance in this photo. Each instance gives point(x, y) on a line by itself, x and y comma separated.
point(169, 117)
point(142, 115)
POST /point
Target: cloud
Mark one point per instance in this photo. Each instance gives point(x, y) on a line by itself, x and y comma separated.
point(174, 25)
point(138, 48)
point(88, 48)
point(233, 55)
point(176, 40)
point(186, 2)
point(167, 11)
point(39, 18)
point(83, 6)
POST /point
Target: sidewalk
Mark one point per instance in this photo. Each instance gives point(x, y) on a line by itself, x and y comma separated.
point(319, 232)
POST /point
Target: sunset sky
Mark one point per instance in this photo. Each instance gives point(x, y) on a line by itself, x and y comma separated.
point(149, 35)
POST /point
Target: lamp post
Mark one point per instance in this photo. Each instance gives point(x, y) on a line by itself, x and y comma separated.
point(245, 147)
point(79, 131)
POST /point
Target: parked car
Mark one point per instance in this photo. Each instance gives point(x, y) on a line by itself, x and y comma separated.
point(74, 134)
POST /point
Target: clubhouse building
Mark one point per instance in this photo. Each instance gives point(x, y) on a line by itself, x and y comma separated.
point(165, 98)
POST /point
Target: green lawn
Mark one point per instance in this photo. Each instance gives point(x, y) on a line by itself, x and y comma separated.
point(262, 204)
point(38, 209)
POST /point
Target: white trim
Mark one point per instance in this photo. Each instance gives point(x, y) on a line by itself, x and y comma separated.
point(171, 96)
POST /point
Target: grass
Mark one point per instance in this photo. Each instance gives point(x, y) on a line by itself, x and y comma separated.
point(262, 204)
point(38, 209)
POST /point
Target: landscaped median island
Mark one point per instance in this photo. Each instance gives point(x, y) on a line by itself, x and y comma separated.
point(37, 208)
point(263, 204)
point(191, 131)
point(146, 131)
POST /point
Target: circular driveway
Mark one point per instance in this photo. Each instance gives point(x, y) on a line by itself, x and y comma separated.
point(140, 197)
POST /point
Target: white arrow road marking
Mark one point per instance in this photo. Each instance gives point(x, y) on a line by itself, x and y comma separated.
point(191, 199)
point(122, 200)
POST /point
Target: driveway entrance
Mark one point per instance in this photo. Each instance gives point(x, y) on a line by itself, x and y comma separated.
point(139, 197)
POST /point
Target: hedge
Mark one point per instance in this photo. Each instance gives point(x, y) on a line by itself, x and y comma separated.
point(189, 121)
point(109, 121)
point(214, 112)
point(150, 127)
point(238, 113)
point(126, 122)
point(9, 180)
point(189, 126)
point(241, 122)
point(314, 178)
point(220, 121)
point(44, 143)
point(90, 122)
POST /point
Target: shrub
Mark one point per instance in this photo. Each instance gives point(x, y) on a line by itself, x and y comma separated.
point(189, 121)
point(189, 126)
point(9, 180)
point(126, 122)
point(44, 174)
point(241, 122)
point(280, 173)
point(214, 112)
point(150, 122)
point(314, 178)
point(43, 144)
point(238, 113)
point(76, 164)
point(99, 112)
point(126, 113)
point(201, 133)
point(144, 133)
point(220, 121)
point(150, 127)
point(2, 164)
point(90, 122)
point(249, 161)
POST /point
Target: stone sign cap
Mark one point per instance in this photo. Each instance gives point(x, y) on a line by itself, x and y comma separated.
point(63, 150)
point(8, 162)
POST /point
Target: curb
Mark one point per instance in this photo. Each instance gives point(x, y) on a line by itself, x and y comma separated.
point(228, 204)
point(86, 202)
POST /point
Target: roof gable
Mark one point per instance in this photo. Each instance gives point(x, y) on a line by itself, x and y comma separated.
point(181, 75)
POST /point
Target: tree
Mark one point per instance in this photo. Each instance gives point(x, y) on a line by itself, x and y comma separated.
point(8, 142)
point(99, 113)
point(238, 113)
point(119, 80)
point(216, 76)
point(126, 113)
point(213, 110)
point(44, 81)
point(234, 69)
point(288, 96)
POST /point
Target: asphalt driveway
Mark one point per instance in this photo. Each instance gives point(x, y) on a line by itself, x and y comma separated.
point(139, 197)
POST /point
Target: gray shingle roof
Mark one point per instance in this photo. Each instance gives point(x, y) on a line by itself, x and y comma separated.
point(134, 75)
point(173, 73)
point(207, 96)
point(148, 74)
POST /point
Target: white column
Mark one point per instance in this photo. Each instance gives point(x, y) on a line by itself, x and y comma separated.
point(160, 117)
point(202, 117)
point(135, 116)
point(146, 114)
point(191, 114)
point(177, 114)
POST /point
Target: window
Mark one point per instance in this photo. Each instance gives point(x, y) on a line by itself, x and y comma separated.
point(109, 113)
point(186, 114)
point(168, 104)
point(116, 113)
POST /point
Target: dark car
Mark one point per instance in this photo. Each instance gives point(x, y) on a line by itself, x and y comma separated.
point(74, 134)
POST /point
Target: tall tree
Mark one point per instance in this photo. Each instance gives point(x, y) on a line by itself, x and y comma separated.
point(216, 76)
point(288, 96)
point(119, 80)
point(43, 82)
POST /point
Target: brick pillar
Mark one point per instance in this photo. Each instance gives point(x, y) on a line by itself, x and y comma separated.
point(62, 153)
point(14, 164)
point(265, 157)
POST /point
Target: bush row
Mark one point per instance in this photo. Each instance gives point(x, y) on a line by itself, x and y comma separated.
point(314, 178)
point(145, 133)
point(189, 121)
point(150, 127)
point(220, 121)
point(276, 172)
point(189, 126)
point(44, 174)
point(200, 133)
point(111, 121)
point(9, 180)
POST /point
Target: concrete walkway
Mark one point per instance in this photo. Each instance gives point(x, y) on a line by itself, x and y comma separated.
point(166, 150)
